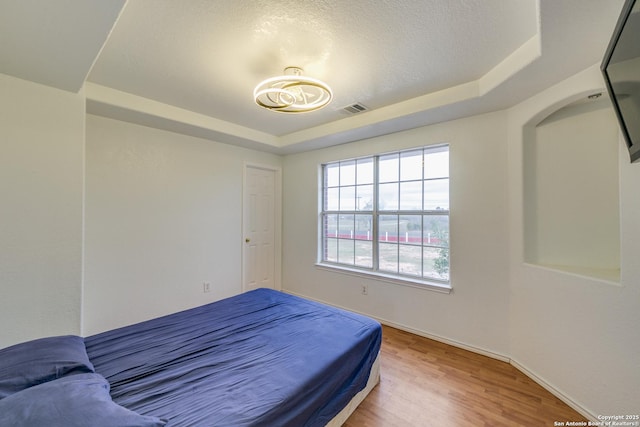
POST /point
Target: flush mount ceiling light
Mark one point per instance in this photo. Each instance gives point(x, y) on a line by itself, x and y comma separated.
point(292, 93)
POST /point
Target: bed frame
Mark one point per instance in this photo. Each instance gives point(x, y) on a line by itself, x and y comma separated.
point(374, 379)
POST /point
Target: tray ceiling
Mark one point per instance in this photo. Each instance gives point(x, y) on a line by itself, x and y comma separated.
point(191, 66)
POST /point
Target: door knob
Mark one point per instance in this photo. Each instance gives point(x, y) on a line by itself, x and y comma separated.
point(247, 240)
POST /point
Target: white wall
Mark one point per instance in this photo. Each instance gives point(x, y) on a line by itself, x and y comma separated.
point(577, 334)
point(163, 215)
point(475, 313)
point(41, 185)
point(571, 197)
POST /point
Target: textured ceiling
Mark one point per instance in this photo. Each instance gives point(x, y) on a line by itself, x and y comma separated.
point(191, 65)
point(54, 42)
point(207, 56)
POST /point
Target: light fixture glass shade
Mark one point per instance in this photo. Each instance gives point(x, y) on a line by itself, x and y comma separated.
point(292, 93)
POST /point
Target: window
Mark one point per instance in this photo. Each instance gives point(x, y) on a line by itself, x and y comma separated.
point(388, 214)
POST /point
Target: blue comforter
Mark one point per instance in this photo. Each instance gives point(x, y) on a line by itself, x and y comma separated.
point(262, 358)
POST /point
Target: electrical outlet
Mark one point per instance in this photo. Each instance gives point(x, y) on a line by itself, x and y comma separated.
point(206, 287)
point(365, 290)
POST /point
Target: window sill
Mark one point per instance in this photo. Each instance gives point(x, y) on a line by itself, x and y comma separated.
point(418, 284)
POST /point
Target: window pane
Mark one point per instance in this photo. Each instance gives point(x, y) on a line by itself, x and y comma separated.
point(363, 227)
point(346, 226)
point(436, 163)
point(411, 195)
point(364, 198)
point(332, 175)
point(364, 171)
point(331, 226)
point(332, 199)
point(388, 197)
point(348, 198)
point(348, 172)
point(331, 250)
point(436, 230)
point(411, 165)
point(436, 263)
point(345, 251)
point(410, 228)
point(410, 260)
point(388, 228)
point(388, 168)
point(407, 195)
point(388, 257)
point(364, 254)
point(436, 194)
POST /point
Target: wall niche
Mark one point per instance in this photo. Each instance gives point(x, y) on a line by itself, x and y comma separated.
point(571, 190)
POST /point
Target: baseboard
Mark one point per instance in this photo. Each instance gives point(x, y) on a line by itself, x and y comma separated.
point(557, 393)
point(530, 374)
point(418, 332)
point(526, 371)
point(444, 340)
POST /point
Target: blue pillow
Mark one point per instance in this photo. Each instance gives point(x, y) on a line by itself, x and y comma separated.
point(35, 362)
point(74, 401)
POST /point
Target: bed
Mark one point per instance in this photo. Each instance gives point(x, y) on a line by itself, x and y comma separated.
point(262, 358)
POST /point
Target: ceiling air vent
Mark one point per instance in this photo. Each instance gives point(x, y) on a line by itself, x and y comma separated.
point(355, 108)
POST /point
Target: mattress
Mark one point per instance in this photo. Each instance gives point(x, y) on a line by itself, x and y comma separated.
point(260, 358)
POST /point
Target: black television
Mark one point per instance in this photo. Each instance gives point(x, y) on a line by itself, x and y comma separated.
point(621, 70)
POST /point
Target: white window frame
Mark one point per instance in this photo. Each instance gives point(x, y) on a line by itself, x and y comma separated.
point(374, 271)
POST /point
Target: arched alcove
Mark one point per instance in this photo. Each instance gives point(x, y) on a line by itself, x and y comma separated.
point(571, 189)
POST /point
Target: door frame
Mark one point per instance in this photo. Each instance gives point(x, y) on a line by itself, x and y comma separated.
point(277, 218)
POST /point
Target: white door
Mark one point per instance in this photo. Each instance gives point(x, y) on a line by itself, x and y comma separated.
point(259, 224)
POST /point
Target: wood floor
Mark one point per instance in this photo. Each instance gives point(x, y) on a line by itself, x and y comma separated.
point(428, 383)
